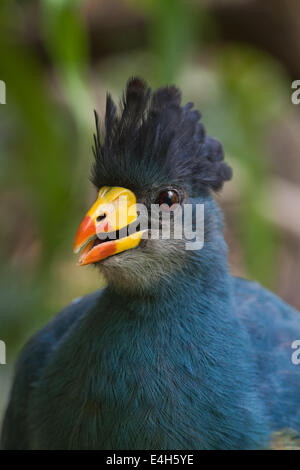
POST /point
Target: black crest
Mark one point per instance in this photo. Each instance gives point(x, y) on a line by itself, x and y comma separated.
point(155, 140)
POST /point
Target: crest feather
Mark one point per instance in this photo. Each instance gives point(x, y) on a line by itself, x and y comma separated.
point(154, 140)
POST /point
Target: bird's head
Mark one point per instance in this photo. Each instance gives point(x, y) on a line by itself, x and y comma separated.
point(153, 167)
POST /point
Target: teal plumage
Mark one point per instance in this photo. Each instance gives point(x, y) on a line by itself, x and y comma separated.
point(174, 354)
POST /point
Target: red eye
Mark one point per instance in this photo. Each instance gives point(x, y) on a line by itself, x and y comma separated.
point(168, 197)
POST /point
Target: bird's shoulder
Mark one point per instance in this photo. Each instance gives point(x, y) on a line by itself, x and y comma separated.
point(257, 304)
point(47, 339)
point(30, 364)
point(273, 327)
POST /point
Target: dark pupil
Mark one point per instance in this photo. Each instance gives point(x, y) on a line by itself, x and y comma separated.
point(168, 197)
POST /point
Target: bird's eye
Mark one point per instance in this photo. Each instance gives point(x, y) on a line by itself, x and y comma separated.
point(168, 197)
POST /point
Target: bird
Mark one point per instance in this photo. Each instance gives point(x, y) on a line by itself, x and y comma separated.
point(174, 352)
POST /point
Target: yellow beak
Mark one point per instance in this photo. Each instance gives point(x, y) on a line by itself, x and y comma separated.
point(114, 209)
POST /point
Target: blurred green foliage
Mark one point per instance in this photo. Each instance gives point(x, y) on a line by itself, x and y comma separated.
point(171, 33)
point(253, 96)
point(46, 135)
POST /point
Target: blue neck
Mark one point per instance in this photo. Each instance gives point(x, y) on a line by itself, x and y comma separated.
point(169, 370)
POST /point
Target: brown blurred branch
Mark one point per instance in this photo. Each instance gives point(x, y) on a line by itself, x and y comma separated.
point(273, 26)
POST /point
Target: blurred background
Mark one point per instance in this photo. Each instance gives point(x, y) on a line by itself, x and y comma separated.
point(235, 59)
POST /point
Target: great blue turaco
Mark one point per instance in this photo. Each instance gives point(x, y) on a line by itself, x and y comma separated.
point(175, 353)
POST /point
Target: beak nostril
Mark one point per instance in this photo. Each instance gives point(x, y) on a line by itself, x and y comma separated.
point(100, 217)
